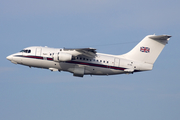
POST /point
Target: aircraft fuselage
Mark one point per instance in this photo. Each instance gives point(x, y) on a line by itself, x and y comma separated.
point(86, 61)
point(102, 64)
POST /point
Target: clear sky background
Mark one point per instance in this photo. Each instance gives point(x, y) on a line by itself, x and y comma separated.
point(111, 26)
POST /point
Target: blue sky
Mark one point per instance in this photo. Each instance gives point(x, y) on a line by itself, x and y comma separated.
point(110, 26)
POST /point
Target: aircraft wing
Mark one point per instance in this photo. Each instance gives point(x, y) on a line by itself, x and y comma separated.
point(89, 52)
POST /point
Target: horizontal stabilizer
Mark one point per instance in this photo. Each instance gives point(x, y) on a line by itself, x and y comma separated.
point(160, 37)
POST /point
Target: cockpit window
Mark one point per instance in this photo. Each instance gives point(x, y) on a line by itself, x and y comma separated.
point(26, 51)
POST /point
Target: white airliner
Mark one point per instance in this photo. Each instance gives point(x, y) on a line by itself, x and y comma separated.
point(86, 61)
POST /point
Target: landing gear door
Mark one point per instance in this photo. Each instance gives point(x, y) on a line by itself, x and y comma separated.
point(38, 51)
point(116, 62)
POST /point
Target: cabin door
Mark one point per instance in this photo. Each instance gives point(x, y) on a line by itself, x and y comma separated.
point(38, 51)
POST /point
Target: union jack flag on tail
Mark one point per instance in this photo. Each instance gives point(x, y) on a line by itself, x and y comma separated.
point(145, 49)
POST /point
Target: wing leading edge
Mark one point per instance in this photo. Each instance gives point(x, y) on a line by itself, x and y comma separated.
point(89, 52)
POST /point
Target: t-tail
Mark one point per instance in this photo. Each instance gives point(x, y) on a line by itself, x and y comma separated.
point(148, 50)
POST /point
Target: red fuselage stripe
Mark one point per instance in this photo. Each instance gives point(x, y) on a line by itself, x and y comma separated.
point(75, 62)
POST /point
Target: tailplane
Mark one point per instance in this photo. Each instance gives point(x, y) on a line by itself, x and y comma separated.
point(148, 49)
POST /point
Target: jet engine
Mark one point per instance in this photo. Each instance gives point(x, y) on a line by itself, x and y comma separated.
point(62, 57)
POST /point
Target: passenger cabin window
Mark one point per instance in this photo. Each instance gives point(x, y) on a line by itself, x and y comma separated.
point(73, 58)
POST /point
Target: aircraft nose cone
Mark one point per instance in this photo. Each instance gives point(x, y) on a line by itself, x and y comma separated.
point(9, 57)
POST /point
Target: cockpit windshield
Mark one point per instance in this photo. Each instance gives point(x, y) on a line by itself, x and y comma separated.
point(26, 51)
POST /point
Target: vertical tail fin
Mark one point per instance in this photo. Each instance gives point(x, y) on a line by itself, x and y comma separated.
point(148, 49)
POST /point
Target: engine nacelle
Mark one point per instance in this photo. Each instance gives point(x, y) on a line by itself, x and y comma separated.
point(62, 57)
